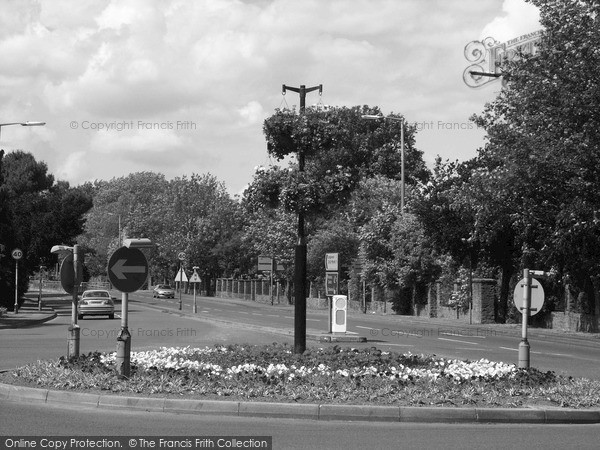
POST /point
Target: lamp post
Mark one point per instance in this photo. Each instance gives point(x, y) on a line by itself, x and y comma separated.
point(396, 119)
point(300, 254)
point(74, 335)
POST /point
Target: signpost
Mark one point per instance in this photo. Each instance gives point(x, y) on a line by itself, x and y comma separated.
point(268, 264)
point(532, 301)
point(17, 254)
point(332, 268)
point(181, 258)
point(127, 271)
point(195, 278)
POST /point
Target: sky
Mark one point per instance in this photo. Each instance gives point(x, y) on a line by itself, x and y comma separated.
point(183, 86)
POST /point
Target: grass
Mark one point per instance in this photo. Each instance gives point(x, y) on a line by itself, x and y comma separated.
point(330, 375)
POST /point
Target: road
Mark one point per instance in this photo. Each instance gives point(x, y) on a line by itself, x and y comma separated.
point(157, 322)
point(154, 323)
point(17, 420)
point(569, 354)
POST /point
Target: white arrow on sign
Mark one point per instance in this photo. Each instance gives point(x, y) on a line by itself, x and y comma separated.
point(120, 269)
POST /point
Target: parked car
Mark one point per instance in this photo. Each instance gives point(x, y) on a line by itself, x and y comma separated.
point(163, 291)
point(96, 303)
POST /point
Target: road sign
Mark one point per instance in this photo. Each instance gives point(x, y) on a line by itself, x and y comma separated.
point(195, 278)
point(67, 274)
point(181, 276)
point(265, 263)
point(128, 269)
point(181, 256)
point(17, 253)
point(331, 262)
point(331, 283)
point(537, 296)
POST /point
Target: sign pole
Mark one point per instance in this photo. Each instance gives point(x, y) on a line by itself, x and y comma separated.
point(16, 286)
point(180, 284)
point(124, 340)
point(524, 344)
point(127, 271)
point(74, 335)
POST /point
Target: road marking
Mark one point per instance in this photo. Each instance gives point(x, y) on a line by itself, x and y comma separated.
point(397, 345)
point(541, 353)
point(313, 320)
point(465, 336)
point(365, 328)
point(273, 315)
point(287, 317)
point(456, 340)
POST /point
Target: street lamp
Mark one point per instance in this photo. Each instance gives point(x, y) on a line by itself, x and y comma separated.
point(396, 119)
point(23, 124)
point(74, 336)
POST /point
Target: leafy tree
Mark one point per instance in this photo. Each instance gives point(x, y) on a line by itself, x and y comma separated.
point(35, 214)
point(544, 147)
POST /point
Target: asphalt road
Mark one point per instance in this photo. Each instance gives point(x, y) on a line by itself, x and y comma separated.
point(570, 354)
point(17, 420)
point(156, 322)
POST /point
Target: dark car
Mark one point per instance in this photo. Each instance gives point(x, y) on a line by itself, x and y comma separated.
point(163, 291)
point(96, 303)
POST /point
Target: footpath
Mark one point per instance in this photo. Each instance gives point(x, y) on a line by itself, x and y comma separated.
point(31, 315)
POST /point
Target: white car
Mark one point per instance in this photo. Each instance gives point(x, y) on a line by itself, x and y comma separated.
point(96, 303)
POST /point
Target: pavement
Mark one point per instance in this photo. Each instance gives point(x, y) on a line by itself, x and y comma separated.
point(30, 315)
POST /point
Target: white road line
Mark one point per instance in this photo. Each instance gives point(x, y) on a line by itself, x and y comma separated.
point(365, 328)
point(397, 345)
point(456, 340)
point(463, 336)
point(313, 320)
point(539, 353)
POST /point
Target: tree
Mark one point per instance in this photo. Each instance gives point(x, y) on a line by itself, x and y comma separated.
point(35, 214)
point(544, 146)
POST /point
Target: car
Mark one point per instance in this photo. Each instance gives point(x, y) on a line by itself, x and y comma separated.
point(163, 291)
point(96, 302)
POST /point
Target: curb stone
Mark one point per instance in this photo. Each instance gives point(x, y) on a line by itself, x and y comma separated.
point(372, 413)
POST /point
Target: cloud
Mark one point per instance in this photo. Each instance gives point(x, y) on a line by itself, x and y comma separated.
point(221, 65)
point(518, 19)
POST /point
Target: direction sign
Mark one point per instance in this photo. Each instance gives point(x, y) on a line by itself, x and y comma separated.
point(331, 262)
point(128, 269)
point(17, 253)
point(537, 296)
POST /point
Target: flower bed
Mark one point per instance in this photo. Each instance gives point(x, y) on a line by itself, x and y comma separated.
point(275, 373)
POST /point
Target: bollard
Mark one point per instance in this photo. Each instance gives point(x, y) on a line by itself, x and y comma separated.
point(123, 353)
point(73, 341)
point(524, 354)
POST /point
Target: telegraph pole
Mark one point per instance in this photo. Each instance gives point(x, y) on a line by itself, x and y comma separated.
point(300, 256)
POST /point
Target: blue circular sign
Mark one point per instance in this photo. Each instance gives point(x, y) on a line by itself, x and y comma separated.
point(128, 269)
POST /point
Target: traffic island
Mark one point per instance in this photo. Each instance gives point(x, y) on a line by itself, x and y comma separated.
point(340, 337)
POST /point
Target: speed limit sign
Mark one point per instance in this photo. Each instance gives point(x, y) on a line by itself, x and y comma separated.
point(181, 256)
point(17, 253)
